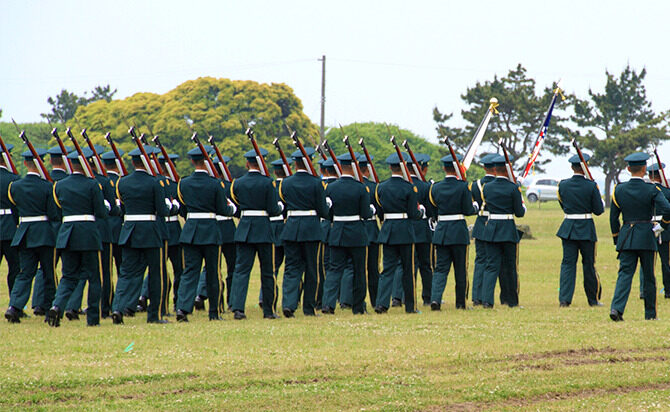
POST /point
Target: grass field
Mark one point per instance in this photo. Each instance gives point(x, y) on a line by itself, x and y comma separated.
point(538, 357)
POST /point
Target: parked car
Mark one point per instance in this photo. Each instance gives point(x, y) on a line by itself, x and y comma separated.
point(542, 190)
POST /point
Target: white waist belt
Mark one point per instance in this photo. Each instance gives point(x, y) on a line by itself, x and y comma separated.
point(254, 213)
point(139, 218)
point(78, 218)
point(501, 217)
point(298, 213)
point(395, 215)
point(657, 218)
point(350, 218)
point(201, 215)
point(484, 213)
point(29, 219)
point(277, 218)
point(579, 216)
point(220, 218)
point(172, 218)
point(447, 218)
point(5, 212)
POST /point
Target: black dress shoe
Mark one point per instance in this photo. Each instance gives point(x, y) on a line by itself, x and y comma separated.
point(215, 318)
point(181, 316)
point(641, 295)
point(380, 309)
point(271, 316)
point(413, 312)
point(38, 311)
point(564, 304)
point(476, 303)
point(310, 314)
point(71, 315)
point(54, 316)
point(159, 321)
point(288, 313)
point(435, 306)
point(130, 313)
point(104, 315)
point(239, 315)
point(327, 310)
point(616, 316)
point(199, 303)
point(596, 304)
point(142, 304)
point(395, 303)
point(117, 318)
point(460, 307)
point(345, 306)
point(487, 305)
point(12, 315)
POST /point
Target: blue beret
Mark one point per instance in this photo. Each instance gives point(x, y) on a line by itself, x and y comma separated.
point(655, 168)
point(576, 160)
point(393, 159)
point(28, 155)
point(448, 160)
point(9, 147)
point(636, 159)
point(56, 150)
point(252, 153)
point(298, 154)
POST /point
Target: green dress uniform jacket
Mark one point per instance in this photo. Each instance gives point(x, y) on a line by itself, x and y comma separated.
point(108, 190)
point(116, 221)
point(395, 195)
point(33, 197)
point(348, 233)
point(422, 232)
point(502, 197)
point(303, 192)
point(477, 233)
point(476, 189)
point(8, 220)
point(451, 197)
point(201, 193)
point(578, 195)
point(254, 191)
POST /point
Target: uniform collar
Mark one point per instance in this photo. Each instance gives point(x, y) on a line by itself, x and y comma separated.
point(449, 176)
point(636, 177)
point(578, 175)
point(347, 175)
point(141, 170)
point(395, 175)
point(201, 171)
point(33, 174)
point(303, 171)
point(502, 177)
point(77, 173)
point(489, 175)
point(254, 171)
point(112, 172)
point(61, 170)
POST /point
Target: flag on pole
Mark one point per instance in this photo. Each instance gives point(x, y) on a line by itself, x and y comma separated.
point(479, 134)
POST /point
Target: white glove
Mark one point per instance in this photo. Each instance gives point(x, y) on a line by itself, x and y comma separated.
point(176, 204)
point(168, 203)
point(329, 201)
point(476, 206)
point(373, 209)
point(432, 223)
point(118, 202)
point(107, 205)
point(281, 205)
point(422, 209)
point(231, 204)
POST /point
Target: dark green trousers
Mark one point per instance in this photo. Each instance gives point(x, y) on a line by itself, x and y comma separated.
point(423, 266)
point(38, 286)
point(135, 262)
point(571, 251)
point(176, 256)
point(501, 264)
point(81, 265)
point(165, 281)
point(11, 254)
point(373, 272)
point(446, 256)
point(279, 259)
point(74, 303)
point(324, 263)
point(300, 260)
point(244, 261)
point(627, 265)
point(30, 258)
point(397, 256)
point(664, 255)
point(188, 286)
point(479, 270)
point(228, 252)
point(341, 257)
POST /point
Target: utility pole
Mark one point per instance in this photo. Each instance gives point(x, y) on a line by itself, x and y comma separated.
point(322, 132)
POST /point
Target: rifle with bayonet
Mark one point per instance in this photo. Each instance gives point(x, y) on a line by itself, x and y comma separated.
point(415, 164)
point(119, 161)
point(96, 157)
point(44, 173)
point(403, 164)
point(282, 156)
point(305, 159)
point(582, 160)
point(460, 172)
point(508, 163)
point(172, 170)
point(143, 153)
point(7, 157)
point(208, 160)
point(225, 172)
point(371, 167)
point(63, 150)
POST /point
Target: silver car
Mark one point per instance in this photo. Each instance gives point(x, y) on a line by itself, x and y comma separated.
point(542, 189)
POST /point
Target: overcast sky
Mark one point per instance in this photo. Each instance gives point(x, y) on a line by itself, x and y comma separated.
point(387, 61)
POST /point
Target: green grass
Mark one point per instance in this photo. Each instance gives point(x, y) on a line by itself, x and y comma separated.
point(539, 357)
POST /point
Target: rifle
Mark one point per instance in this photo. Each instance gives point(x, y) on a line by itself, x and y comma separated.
point(96, 158)
point(403, 165)
point(44, 173)
point(172, 170)
point(222, 163)
point(7, 157)
point(119, 161)
point(63, 150)
point(454, 160)
point(287, 168)
point(661, 172)
point(143, 153)
point(357, 168)
point(208, 161)
point(508, 164)
point(582, 161)
point(371, 167)
point(305, 159)
point(415, 164)
point(322, 153)
point(260, 160)
point(153, 159)
point(338, 166)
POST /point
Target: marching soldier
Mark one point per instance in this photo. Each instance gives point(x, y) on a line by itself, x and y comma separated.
point(35, 237)
point(350, 207)
point(81, 201)
point(328, 175)
point(204, 198)
point(8, 221)
point(305, 202)
point(638, 201)
point(257, 199)
point(399, 202)
point(144, 201)
point(372, 229)
point(504, 202)
point(451, 200)
point(579, 198)
point(115, 222)
point(478, 229)
point(664, 244)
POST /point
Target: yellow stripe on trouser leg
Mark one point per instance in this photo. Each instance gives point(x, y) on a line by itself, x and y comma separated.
point(54, 266)
point(218, 274)
point(518, 282)
point(274, 279)
point(413, 278)
point(467, 267)
point(160, 299)
point(100, 273)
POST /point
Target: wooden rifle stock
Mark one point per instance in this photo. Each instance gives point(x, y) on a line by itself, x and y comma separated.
point(371, 166)
point(170, 164)
point(82, 159)
point(415, 164)
point(119, 160)
point(36, 158)
point(224, 166)
point(7, 157)
point(96, 157)
point(306, 159)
